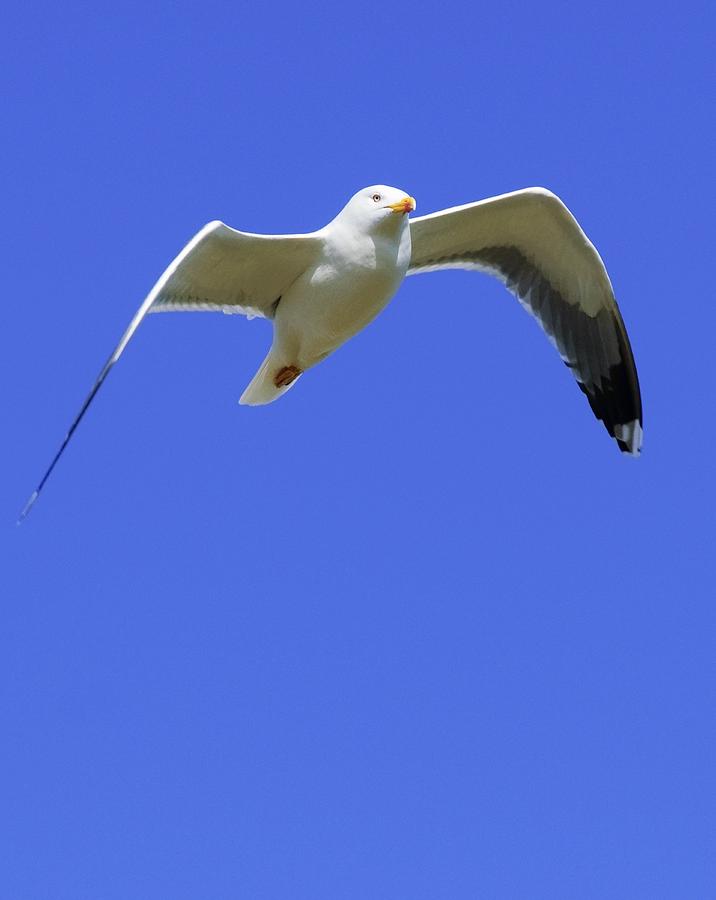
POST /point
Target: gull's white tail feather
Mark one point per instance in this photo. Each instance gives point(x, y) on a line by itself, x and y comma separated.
point(262, 389)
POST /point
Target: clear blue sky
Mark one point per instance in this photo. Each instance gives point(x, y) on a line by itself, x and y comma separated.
point(417, 630)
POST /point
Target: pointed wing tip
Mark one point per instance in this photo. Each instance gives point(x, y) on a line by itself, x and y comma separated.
point(27, 507)
point(629, 437)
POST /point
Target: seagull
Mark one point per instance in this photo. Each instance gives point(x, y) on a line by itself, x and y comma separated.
point(320, 289)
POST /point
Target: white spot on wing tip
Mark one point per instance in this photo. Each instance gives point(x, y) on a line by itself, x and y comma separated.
point(631, 433)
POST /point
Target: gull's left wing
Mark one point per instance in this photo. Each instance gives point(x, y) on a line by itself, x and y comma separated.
point(219, 269)
point(532, 243)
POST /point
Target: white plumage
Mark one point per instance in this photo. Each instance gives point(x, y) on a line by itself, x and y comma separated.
point(322, 288)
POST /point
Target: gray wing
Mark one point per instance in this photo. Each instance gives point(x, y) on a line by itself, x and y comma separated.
point(219, 269)
point(532, 243)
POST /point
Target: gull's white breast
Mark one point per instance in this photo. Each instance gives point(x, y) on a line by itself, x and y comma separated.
point(353, 279)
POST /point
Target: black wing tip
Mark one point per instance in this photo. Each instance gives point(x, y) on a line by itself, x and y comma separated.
point(629, 432)
point(628, 436)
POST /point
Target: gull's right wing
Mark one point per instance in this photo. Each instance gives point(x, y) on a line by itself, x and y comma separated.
point(219, 269)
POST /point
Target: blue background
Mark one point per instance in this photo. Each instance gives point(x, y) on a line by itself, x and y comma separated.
point(417, 630)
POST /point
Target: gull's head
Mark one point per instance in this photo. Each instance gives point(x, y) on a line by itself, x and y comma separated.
point(378, 206)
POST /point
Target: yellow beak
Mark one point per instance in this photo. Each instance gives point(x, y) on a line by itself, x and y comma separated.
point(407, 204)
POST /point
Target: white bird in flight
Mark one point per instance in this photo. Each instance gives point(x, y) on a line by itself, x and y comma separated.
point(320, 289)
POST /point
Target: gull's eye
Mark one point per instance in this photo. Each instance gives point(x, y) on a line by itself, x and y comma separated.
point(377, 198)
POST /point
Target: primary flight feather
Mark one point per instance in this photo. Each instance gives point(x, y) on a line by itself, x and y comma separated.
point(320, 289)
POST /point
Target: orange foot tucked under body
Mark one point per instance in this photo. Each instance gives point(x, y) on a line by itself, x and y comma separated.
point(285, 376)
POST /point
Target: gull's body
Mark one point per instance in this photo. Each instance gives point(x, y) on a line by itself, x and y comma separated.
point(353, 277)
point(321, 288)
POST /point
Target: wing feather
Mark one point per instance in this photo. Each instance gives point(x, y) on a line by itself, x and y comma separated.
point(219, 269)
point(234, 271)
point(533, 244)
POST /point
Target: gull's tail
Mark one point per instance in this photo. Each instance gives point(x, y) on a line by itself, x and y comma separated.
point(262, 389)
